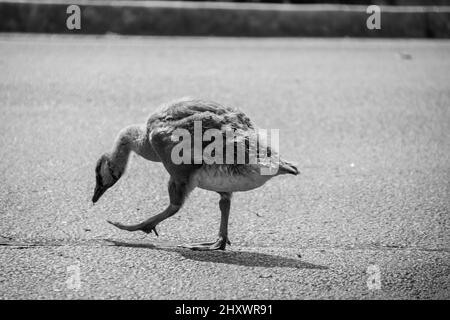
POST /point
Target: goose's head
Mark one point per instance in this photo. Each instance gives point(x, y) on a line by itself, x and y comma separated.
point(107, 173)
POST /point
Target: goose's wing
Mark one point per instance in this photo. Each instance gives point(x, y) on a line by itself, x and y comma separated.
point(164, 128)
point(183, 113)
point(162, 139)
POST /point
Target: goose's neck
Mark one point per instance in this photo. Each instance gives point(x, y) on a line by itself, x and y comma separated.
point(132, 138)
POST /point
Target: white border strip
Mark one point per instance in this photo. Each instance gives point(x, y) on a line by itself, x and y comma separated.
point(235, 6)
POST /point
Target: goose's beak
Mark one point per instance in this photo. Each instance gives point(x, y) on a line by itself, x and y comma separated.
point(98, 192)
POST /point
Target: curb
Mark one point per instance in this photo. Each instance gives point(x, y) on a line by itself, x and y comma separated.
point(222, 19)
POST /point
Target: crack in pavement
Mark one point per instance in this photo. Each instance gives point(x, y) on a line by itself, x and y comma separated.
point(25, 244)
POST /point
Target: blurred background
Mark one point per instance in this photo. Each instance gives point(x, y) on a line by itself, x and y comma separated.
point(254, 18)
point(386, 2)
point(361, 2)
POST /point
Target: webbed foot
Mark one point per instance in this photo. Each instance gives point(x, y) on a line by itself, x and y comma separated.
point(148, 228)
point(220, 244)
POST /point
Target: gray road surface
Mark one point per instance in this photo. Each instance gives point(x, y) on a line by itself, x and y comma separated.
point(368, 121)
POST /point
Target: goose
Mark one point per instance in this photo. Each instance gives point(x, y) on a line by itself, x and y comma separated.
point(157, 140)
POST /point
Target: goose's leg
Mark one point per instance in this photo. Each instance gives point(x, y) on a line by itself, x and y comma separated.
point(222, 241)
point(177, 192)
point(150, 224)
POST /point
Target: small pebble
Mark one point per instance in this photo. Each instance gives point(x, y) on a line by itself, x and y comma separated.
point(405, 56)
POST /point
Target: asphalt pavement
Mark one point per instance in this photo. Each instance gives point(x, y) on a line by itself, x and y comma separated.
point(367, 121)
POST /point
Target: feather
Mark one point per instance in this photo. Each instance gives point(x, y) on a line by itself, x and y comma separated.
point(243, 152)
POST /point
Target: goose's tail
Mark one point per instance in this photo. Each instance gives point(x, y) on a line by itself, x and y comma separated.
point(287, 168)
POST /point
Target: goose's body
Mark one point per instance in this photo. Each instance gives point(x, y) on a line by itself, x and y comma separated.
point(157, 140)
point(217, 177)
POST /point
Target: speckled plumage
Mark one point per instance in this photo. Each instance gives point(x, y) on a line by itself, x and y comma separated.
point(156, 140)
point(182, 114)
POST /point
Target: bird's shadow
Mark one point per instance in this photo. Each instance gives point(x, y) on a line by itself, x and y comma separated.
point(240, 258)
